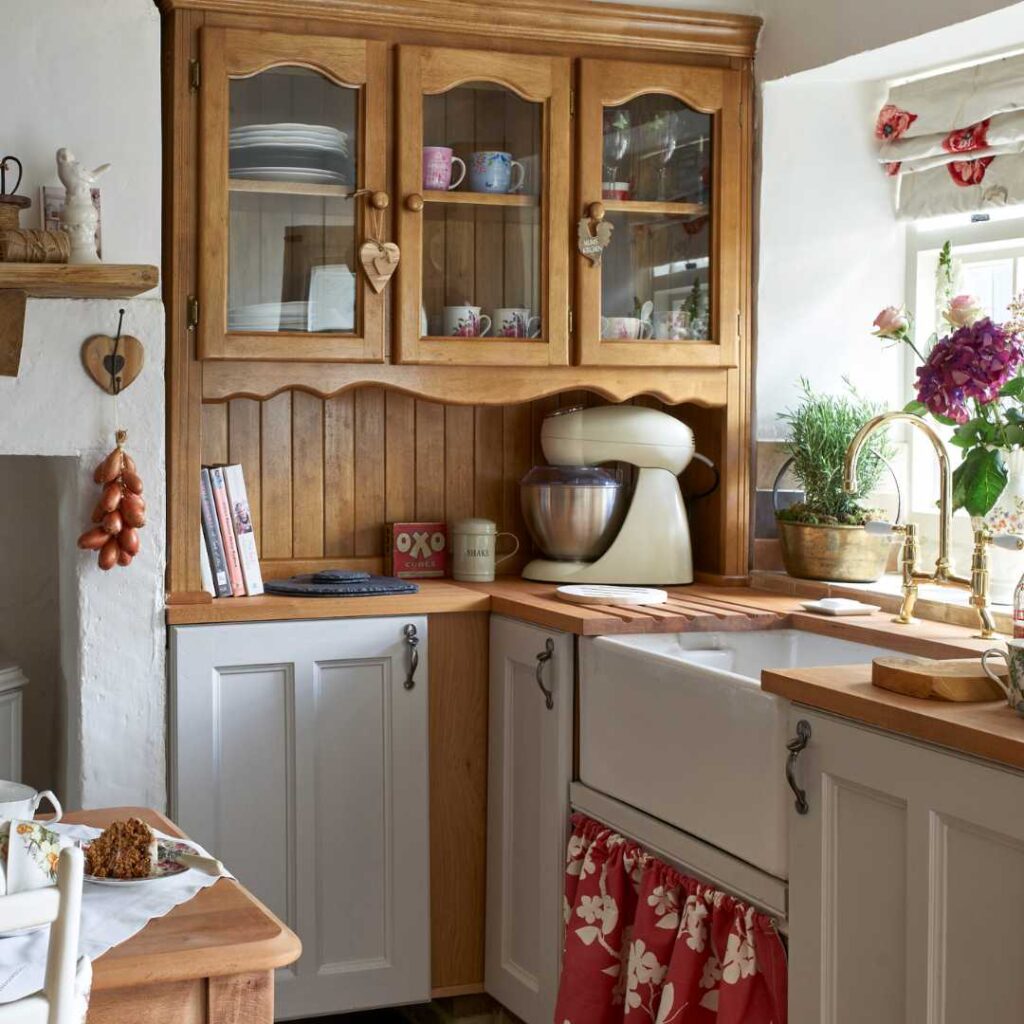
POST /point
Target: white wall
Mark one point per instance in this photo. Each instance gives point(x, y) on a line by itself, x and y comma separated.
point(87, 76)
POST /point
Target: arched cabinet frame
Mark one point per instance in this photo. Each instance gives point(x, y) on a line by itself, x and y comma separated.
point(426, 71)
point(710, 90)
point(229, 53)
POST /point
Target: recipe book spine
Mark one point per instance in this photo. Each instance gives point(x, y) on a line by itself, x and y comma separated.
point(211, 534)
point(241, 520)
point(227, 533)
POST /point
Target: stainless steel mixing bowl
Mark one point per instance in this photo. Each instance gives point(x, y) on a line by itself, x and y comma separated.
point(573, 513)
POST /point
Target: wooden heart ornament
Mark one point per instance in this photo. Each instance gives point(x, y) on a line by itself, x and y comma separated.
point(380, 261)
point(105, 368)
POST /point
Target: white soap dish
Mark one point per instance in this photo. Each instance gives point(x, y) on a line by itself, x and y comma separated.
point(839, 606)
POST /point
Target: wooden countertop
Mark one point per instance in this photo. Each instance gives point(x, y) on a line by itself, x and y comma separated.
point(434, 596)
point(222, 930)
point(990, 730)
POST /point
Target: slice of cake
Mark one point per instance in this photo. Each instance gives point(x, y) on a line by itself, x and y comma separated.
point(126, 849)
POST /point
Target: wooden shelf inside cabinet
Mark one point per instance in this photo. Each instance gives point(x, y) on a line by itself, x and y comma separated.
point(482, 198)
point(653, 206)
point(19, 281)
point(288, 188)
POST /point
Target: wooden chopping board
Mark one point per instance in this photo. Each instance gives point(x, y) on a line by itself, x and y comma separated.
point(956, 679)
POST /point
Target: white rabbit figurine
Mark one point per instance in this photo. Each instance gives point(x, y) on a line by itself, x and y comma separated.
point(80, 216)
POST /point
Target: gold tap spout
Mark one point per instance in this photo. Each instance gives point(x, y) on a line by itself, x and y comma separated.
point(943, 568)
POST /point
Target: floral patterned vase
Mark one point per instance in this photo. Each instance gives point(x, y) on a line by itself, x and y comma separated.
point(1006, 516)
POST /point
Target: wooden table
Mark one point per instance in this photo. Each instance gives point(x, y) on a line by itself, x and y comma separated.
point(209, 961)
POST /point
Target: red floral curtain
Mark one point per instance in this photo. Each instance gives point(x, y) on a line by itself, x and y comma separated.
point(645, 944)
point(954, 142)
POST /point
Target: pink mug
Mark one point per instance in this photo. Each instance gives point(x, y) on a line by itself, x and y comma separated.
point(437, 169)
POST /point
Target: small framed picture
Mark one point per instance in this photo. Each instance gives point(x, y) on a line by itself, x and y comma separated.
point(51, 205)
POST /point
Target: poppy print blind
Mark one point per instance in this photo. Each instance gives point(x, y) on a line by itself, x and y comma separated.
point(954, 143)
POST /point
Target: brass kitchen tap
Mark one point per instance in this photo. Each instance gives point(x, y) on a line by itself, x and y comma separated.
point(943, 575)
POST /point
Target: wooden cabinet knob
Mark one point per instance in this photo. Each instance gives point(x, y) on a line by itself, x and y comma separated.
point(596, 211)
point(414, 202)
point(380, 201)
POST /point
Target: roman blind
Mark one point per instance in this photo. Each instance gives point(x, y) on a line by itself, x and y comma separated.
point(954, 143)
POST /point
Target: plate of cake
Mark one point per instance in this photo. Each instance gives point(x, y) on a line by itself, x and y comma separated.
point(130, 853)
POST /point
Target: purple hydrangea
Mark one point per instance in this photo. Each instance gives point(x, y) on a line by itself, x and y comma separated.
point(974, 362)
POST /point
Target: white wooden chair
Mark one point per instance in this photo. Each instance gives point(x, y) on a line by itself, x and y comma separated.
point(64, 998)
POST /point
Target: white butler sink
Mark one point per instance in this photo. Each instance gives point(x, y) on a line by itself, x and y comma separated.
point(677, 725)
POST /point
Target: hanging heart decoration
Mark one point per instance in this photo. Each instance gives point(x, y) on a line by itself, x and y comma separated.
point(380, 261)
point(113, 362)
point(592, 238)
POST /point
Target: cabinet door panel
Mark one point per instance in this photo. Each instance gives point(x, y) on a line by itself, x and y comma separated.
point(906, 882)
point(484, 184)
point(661, 163)
point(10, 736)
point(530, 754)
point(299, 758)
point(292, 126)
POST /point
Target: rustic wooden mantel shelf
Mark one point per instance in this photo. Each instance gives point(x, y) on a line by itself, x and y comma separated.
point(19, 281)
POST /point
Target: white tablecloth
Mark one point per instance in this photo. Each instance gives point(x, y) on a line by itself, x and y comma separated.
point(110, 914)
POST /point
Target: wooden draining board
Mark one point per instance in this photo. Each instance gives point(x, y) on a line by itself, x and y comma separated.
point(688, 609)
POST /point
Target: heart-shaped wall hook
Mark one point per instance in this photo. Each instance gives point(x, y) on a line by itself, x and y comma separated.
point(380, 261)
point(105, 368)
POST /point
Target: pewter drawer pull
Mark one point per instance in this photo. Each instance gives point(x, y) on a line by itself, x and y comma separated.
point(545, 656)
point(795, 746)
point(412, 641)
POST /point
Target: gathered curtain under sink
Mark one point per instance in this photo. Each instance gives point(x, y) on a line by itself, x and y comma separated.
point(954, 143)
point(645, 944)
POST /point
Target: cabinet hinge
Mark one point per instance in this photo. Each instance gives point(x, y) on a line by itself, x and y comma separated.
point(739, 326)
point(193, 75)
point(572, 102)
point(570, 323)
point(191, 313)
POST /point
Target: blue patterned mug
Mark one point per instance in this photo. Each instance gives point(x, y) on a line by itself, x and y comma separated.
point(1013, 686)
point(491, 170)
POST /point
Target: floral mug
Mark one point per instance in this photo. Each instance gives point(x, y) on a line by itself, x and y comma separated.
point(465, 322)
point(29, 852)
point(515, 322)
point(437, 169)
point(624, 328)
point(1013, 687)
point(491, 170)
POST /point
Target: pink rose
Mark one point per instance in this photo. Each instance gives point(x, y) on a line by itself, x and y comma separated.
point(963, 310)
point(892, 322)
point(892, 123)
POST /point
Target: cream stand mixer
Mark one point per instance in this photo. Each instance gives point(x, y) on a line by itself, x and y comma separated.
point(652, 545)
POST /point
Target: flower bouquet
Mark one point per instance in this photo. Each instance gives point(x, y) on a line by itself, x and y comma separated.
point(970, 380)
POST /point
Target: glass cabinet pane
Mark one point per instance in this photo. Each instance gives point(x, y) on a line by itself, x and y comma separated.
point(654, 278)
point(483, 242)
point(656, 148)
point(293, 160)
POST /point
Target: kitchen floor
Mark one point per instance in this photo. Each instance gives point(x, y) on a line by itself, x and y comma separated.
point(461, 1010)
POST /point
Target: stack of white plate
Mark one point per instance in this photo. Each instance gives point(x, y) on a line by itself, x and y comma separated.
point(309, 153)
point(269, 316)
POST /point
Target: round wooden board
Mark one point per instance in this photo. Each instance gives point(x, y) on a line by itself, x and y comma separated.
point(599, 593)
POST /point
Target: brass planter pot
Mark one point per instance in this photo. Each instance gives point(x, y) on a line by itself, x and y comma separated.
point(843, 554)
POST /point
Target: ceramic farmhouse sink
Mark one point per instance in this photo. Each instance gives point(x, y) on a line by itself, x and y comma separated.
point(677, 725)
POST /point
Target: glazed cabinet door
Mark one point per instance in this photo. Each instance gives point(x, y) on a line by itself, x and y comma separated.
point(906, 882)
point(292, 127)
point(483, 182)
point(662, 169)
point(529, 771)
point(299, 757)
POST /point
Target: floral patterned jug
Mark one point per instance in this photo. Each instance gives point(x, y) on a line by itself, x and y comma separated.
point(1006, 516)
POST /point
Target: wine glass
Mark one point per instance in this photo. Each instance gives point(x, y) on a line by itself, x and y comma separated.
point(664, 139)
point(616, 141)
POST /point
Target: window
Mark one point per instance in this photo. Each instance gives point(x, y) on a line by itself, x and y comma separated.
point(989, 262)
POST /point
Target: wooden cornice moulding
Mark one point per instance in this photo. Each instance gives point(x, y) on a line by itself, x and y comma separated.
point(464, 385)
point(563, 21)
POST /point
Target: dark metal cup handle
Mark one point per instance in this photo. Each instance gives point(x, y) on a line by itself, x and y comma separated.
point(4, 161)
point(795, 746)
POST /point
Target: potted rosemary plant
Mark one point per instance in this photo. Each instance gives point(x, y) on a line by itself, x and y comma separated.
point(823, 536)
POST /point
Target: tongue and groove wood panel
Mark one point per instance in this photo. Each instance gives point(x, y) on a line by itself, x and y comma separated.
point(324, 475)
